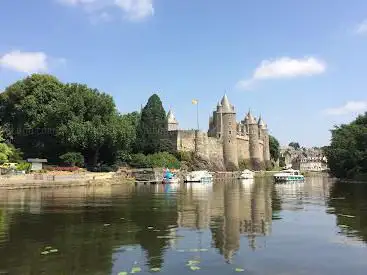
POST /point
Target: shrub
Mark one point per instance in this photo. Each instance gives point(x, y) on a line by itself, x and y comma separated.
point(24, 166)
point(139, 161)
point(162, 159)
point(73, 158)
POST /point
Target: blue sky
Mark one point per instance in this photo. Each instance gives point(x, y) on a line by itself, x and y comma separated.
point(300, 64)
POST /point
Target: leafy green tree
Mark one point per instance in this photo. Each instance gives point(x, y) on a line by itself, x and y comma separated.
point(347, 153)
point(26, 115)
point(73, 158)
point(151, 131)
point(5, 150)
point(274, 148)
point(295, 145)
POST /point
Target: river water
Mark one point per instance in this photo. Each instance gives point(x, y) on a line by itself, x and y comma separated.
point(316, 227)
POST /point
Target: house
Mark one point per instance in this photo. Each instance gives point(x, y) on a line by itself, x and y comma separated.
point(37, 164)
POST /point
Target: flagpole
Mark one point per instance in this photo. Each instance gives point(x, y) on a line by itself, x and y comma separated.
point(197, 114)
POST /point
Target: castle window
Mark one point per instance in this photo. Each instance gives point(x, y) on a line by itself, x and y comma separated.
point(229, 123)
point(229, 141)
point(230, 132)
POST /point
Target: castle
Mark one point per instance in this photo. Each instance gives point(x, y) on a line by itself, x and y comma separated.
point(227, 142)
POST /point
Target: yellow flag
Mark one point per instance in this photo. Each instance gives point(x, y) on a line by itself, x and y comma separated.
point(194, 101)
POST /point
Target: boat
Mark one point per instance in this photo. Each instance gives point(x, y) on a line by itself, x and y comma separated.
point(171, 180)
point(169, 177)
point(289, 175)
point(199, 176)
point(247, 174)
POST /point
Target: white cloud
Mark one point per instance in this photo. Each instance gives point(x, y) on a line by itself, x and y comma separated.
point(136, 9)
point(361, 28)
point(348, 108)
point(26, 62)
point(133, 10)
point(284, 67)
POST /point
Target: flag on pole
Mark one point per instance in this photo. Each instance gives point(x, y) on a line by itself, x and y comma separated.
point(194, 101)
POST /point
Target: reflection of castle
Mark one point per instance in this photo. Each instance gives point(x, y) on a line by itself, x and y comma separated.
point(227, 141)
point(230, 210)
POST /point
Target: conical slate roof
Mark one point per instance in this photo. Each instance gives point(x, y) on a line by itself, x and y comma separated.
point(227, 107)
point(261, 123)
point(250, 119)
point(171, 117)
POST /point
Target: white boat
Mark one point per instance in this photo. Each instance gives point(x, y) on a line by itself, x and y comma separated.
point(199, 176)
point(289, 175)
point(247, 174)
point(170, 180)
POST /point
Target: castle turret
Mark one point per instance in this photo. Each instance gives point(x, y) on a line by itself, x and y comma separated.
point(172, 124)
point(229, 133)
point(254, 142)
point(263, 129)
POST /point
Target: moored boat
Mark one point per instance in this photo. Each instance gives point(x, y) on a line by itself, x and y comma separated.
point(289, 175)
point(169, 177)
point(247, 174)
point(199, 176)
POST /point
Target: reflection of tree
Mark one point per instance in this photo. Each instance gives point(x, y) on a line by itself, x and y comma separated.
point(85, 245)
point(350, 205)
point(157, 214)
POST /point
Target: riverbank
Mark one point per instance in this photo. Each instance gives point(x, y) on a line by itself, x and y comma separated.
point(66, 180)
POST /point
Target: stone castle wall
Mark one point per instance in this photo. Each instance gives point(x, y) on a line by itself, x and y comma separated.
point(211, 148)
point(243, 148)
point(261, 150)
point(208, 148)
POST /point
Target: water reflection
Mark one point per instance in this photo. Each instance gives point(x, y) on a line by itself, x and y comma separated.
point(349, 203)
point(106, 230)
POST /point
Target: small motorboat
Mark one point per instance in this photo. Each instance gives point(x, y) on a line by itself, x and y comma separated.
point(169, 177)
point(247, 174)
point(289, 175)
point(199, 176)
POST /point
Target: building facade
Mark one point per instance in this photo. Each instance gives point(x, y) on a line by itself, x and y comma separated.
point(227, 141)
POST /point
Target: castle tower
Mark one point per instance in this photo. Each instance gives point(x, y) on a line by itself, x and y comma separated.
point(254, 141)
point(263, 129)
point(229, 134)
point(172, 124)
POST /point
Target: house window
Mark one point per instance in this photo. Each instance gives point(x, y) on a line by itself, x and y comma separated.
point(229, 123)
point(230, 132)
point(229, 141)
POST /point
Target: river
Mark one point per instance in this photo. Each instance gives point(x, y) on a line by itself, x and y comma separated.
point(316, 227)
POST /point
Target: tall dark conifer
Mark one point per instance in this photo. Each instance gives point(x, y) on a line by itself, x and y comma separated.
point(151, 131)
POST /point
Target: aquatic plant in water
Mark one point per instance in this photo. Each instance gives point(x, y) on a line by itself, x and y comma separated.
point(135, 269)
point(48, 250)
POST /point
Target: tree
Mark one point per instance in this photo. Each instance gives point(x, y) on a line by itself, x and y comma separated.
point(88, 120)
point(274, 148)
point(47, 118)
point(73, 158)
point(5, 150)
point(295, 145)
point(347, 153)
point(151, 131)
point(26, 111)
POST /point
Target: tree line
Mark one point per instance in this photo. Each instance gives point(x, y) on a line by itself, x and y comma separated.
point(71, 122)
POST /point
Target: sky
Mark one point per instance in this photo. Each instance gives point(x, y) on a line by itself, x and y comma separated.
point(301, 65)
